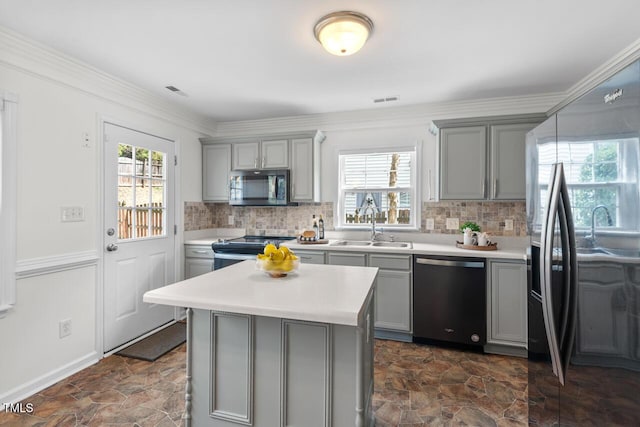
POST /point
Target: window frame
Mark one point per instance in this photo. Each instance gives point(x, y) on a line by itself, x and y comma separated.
point(414, 189)
point(8, 200)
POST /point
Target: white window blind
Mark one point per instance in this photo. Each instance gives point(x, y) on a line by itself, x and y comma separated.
point(388, 178)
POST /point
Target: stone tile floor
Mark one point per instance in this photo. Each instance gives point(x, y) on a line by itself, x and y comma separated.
point(415, 385)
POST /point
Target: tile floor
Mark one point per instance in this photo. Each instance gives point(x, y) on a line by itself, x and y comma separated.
point(415, 385)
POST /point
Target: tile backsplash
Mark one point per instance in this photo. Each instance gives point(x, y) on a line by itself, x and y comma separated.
point(292, 220)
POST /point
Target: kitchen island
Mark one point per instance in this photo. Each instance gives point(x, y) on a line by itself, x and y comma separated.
point(263, 351)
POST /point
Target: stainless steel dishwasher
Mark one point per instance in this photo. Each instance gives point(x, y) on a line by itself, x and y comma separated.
point(449, 300)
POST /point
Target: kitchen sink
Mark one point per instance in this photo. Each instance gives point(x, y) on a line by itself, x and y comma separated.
point(624, 253)
point(591, 251)
point(350, 243)
point(393, 244)
point(373, 244)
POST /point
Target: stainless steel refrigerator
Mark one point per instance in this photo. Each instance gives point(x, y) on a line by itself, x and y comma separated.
point(583, 216)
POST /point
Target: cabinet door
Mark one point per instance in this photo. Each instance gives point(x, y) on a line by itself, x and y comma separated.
point(393, 300)
point(311, 257)
point(302, 170)
point(216, 165)
point(347, 258)
point(602, 295)
point(463, 163)
point(508, 303)
point(275, 154)
point(196, 266)
point(246, 155)
point(508, 161)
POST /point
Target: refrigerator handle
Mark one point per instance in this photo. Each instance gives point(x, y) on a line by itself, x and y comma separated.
point(571, 301)
point(546, 266)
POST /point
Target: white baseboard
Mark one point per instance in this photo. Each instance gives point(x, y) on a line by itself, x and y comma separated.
point(22, 392)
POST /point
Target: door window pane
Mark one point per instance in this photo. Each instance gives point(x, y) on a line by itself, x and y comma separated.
point(141, 192)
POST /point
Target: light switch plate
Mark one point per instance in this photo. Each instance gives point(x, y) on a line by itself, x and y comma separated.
point(453, 224)
point(430, 225)
point(508, 225)
point(231, 220)
point(71, 213)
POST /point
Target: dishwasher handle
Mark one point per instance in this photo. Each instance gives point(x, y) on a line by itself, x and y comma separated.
point(448, 263)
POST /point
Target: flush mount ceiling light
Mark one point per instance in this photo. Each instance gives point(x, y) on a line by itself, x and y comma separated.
point(343, 33)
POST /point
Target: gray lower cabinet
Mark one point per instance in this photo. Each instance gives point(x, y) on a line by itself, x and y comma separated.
point(198, 259)
point(311, 257)
point(601, 290)
point(393, 301)
point(347, 258)
point(507, 308)
point(393, 311)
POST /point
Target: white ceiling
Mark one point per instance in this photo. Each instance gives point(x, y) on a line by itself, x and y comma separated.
point(244, 59)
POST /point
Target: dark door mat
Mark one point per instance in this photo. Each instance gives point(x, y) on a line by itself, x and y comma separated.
point(157, 344)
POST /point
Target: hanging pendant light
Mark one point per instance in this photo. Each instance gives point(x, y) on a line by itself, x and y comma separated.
point(343, 33)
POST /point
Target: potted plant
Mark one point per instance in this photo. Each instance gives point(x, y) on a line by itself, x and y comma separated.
point(469, 230)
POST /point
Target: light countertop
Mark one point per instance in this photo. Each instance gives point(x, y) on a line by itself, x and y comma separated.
point(418, 249)
point(447, 249)
point(316, 293)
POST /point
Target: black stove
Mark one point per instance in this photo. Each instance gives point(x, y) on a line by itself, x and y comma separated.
point(231, 251)
point(247, 244)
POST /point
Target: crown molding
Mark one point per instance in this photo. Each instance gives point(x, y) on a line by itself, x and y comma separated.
point(621, 60)
point(37, 59)
point(413, 115)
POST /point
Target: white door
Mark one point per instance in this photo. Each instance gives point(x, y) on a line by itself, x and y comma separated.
point(139, 231)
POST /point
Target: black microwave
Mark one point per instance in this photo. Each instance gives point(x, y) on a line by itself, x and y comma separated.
point(259, 187)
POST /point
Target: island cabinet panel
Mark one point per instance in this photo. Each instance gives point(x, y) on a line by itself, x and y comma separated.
point(306, 374)
point(268, 371)
point(231, 373)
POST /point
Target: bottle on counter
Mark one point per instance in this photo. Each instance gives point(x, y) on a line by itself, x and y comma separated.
point(320, 228)
point(315, 226)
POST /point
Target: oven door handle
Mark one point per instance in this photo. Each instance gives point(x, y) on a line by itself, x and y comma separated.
point(224, 255)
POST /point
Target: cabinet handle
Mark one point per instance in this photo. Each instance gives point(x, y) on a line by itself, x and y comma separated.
point(484, 188)
point(264, 160)
point(255, 163)
point(293, 190)
point(495, 188)
point(200, 252)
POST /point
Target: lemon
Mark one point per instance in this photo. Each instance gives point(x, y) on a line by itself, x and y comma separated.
point(278, 255)
point(270, 248)
point(285, 250)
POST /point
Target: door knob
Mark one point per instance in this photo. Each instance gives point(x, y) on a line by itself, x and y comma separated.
point(112, 247)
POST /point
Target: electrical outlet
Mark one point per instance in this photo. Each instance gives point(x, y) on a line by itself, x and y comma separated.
point(508, 225)
point(72, 213)
point(231, 220)
point(64, 327)
point(430, 224)
point(453, 224)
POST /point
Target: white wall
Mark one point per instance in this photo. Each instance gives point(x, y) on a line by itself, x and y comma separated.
point(59, 263)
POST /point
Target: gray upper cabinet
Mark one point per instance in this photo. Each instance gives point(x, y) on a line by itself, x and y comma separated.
point(484, 158)
point(508, 161)
point(216, 165)
point(297, 151)
point(265, 154)
point(463, 163)
point(305, 170)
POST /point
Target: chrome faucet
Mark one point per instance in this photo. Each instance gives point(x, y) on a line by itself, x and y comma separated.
point(373, 217)
point(591, 239)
